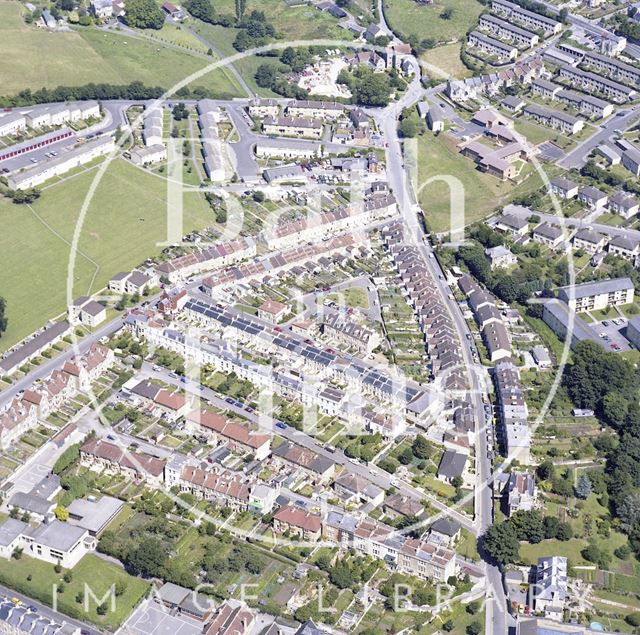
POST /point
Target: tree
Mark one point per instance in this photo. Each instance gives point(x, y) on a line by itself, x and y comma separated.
point(546, 469)
point(528, 525)
point(147, 558)
point(448, 626)
point(629, 512)
point(62, 513)
point(180, 112)
point(475, 628)
point(421, 448)
point(266, 76)
point(501, 543)
point(144, 14)
point(201, 9)
point(447, 13)
point(583, 488)
point(408, 128)
point(3, 318)
point(373, 89)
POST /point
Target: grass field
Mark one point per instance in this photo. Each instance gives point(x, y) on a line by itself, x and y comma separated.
point(446, 60)
point(124, 224)
point(300, 23)
point(106, 57)
point(93, 571)
point(407, 17)
point(483, 193)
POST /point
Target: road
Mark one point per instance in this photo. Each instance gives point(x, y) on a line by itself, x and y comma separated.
point(45, 611)
point(497, 618)
point(607, 230)
point(606, 131)
point(370, 472)
point(44, 369)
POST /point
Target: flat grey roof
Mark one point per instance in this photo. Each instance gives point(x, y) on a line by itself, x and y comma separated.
point(93, 516)
point(57, 535)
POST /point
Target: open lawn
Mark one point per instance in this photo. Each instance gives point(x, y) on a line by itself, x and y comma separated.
point(483, 193)
point(407, 17)
point(98, 574)
point(444, 61)
point(299, 23)
point(124, 224)
point(106, 57)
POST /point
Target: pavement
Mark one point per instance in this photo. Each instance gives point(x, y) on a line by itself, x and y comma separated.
point(45, 611)
point(622, 120)
point(497, 618)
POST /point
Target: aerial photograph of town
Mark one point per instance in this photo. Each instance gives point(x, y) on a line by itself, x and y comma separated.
point(318, 317)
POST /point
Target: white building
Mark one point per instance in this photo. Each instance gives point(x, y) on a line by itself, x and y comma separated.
point(590, 296)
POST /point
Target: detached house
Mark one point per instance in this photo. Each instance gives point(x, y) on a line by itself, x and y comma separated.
point(520, 492)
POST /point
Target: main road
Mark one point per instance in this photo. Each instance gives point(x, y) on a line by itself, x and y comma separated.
point(497, 619)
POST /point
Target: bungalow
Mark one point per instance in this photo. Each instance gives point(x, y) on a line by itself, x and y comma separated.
point(435, 118)
point(318, 467)
point(398, 505)
point(297, 522)
point(288, 149)
point(173, 11)
point(352, 486)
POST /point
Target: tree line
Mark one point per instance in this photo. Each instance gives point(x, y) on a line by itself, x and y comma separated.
point(134, 91)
